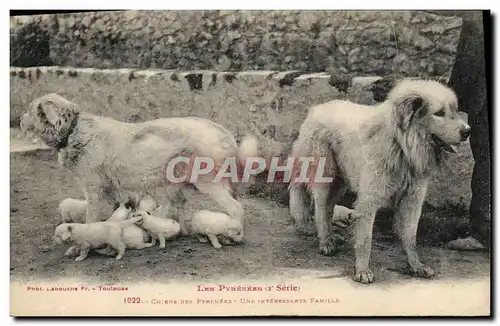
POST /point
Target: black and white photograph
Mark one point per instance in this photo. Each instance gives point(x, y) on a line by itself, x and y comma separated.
point(250, 162)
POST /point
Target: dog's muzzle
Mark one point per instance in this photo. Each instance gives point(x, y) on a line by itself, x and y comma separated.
point(465, 132)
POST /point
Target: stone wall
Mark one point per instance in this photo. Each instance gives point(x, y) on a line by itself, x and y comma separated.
point(266, 103)
point(356, 43)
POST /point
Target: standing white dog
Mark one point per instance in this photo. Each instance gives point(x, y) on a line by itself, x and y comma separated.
point(116, 161)
point(385, 154)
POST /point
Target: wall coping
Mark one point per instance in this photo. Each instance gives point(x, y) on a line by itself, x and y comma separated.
point(194, 78)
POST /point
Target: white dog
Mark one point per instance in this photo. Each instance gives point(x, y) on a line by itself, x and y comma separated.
point(158, 228)
point(147, 203)
point(93, 235)
point(384, 153)
point(115, 161)
point(208, 224)
point(121, 213)
point(73, 210)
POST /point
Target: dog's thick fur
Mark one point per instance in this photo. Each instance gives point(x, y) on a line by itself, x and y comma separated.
point(118, 162)
point(93, 235)
point(73, 210)
point(160, 229)
point(384, 153)
point(208, 224)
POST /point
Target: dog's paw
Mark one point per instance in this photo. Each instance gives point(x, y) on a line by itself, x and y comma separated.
point(202, 239)
point(327, 249)
point(72, 251)
point(331, 246)
point(217, 245)
point(364, 277)
point(79, 258)
point(423, 271)
point(305, 231)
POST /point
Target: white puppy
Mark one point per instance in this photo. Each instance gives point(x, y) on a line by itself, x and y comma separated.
point(147, 203)
point(93, 235)
point(73, 210)
point(212, 224)
point(121, 213)
point(133, 236)
point(158, 228)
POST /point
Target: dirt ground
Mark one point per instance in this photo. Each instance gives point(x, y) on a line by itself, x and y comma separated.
point(271, 248)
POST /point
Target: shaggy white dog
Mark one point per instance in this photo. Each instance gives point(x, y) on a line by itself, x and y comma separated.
point(158, 228)
point(73, 210)
point(93, 235)
point(114, 161)
point(208, 224)
point(384, 153)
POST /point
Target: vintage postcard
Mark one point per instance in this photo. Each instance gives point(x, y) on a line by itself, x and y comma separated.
point(250, 163)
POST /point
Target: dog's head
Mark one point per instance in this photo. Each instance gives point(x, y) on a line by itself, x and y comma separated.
point(233, 234)
point(432, 109)
point(140, 214)
point(63, 233)
point(50, 117)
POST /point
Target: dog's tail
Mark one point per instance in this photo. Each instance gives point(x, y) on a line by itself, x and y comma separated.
point(249, 147)
point(134, 220)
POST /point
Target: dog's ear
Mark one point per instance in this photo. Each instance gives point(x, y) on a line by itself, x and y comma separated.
point(55, 116)
point(409, 108)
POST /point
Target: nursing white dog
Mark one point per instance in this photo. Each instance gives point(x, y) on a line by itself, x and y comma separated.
point(115, 161)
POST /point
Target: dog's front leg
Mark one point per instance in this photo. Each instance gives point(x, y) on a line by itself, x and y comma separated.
point(365, 216)
point(214, 241)
point(161, 238)
point(323, 211)
point(222, 196)
point(406, 221)
point(300, 210)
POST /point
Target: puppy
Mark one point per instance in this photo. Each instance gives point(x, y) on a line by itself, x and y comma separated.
point(342, 216)
point(211, 224)
point(73, 210)
point(133, 236)
point(93, 235)
point(147, 203)
point(158, 228)
point(121, 213)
